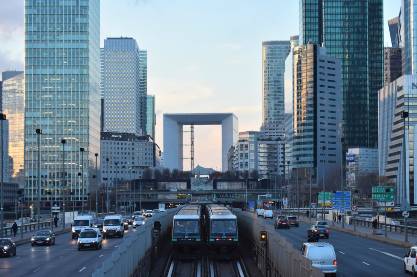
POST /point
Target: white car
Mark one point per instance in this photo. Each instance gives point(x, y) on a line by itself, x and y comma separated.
point(148, 213)
point(321, 255)
point(268, 214)
point(410, 261)
point(138, 221)
point(89, 238)
point(259, 212)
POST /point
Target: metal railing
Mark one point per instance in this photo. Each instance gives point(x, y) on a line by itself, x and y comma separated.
point(277, 257)
point(125, 260)
point(8, 231)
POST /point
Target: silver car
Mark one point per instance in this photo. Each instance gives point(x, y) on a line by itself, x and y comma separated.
point(321, 255)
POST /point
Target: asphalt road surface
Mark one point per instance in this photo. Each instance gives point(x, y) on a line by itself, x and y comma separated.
point(356, 256)
point(61, 259)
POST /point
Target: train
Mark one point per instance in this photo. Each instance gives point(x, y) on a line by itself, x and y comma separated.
point(212, 225)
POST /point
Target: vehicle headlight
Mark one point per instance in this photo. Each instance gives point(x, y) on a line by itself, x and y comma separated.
point(32, 239)
point(6, 247)
point(104, 230)
point(47, 238)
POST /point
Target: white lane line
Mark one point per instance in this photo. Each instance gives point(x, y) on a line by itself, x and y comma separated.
point(37, 269)
point(116, 246)
point(386, 253)
point(101, 256)
point(365, 263)
point(82, 269)
point(343, 253)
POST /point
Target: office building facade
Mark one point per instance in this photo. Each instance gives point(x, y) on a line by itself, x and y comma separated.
point(317, 114)
point(289, 136)
point(62, 86)
point(13, 97)
point(246, 152)
point(360, 162)
point(392, 64)
point(123, 88)
point(124, 157)
point(274, 54)
point(351, 31)
point(150, 116)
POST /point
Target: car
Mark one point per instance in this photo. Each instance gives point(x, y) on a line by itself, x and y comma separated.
point(81, 222)
point(268, 214)
point(322, 256)
point(281, 223)
point(292, 221)
point(113, 226)
point(126, 223)
point(148, 213)
point(313, 234)
point(322, 230)
point(259, 212)
point(322, 223)
point(43, 237)
point(7, 247)
point(89, 238)
point(410, 261)
point(138, 221)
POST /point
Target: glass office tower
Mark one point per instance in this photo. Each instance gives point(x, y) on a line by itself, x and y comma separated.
point(351, 31)
point(62, 71)
point(151, 116)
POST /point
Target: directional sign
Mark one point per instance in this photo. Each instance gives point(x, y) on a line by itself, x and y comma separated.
point(342, 201)
point(383, 194)
point(406, 214)
point(325, 199)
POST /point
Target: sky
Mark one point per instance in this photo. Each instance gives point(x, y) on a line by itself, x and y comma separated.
point(203, 55)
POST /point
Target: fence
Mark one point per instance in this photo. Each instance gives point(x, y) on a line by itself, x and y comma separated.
point(125, 260)
point(27, 227)
point(277, 257)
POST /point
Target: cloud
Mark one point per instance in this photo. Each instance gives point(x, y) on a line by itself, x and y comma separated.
point(11, 15)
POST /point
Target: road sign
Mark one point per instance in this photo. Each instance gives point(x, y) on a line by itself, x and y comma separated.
point(342, 201)
point(383, 194)
point(325, 199)
point(406, 214)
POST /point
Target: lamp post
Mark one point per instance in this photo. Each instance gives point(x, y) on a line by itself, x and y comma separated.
point(2, 118)
point(115, 186)
point(82, 179)
point(38, 134)
point(405, 115)
point(107, 186)
point(324, 182)
point(96, 177)
point(63, 185)
point(342, 184)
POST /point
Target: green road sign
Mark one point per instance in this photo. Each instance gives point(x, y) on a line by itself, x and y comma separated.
point(326, 198)
point(383, 193)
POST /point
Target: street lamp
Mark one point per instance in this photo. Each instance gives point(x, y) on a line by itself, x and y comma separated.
point(63, 185)
point(116, 182)
point(96, 176)
point(2, 118)
point(405, 115)
point(107, 186)
point(82, 179)
point(324, 183)
point(38, 134)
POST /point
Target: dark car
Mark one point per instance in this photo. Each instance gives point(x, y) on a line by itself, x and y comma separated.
point(43, 237)
point(99, 223)
point(313, 234)
point(281, 223)
point(322, 230)
point(7, 247)
point(292, 220)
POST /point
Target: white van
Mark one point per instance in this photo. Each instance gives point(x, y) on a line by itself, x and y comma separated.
point(259, 212)
point(113, 226)
point(81, 222)
point(322, 256)
point(268, 214)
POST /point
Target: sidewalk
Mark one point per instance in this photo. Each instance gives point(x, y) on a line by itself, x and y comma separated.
point(19, 239)
point(394, 238)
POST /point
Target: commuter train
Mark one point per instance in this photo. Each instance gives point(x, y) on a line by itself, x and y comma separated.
point(221, 227)
point(187, 226)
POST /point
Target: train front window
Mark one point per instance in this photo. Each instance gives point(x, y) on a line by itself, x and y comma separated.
point(186, 227)
point(223, 227)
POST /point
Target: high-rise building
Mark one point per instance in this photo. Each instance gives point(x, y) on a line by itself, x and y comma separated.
point(13, 97)
point(270, 157)
point(123, 88)
point(289, 136)
point(143, 86)
point(407, 35)
point(360, 162)
point(396, 99)
point(151, 116)
point(317, 117)
point(394, 31)
point(4, 160)
point(5, 75)
point(274, 54)
point(392, 64)
point(288, 85)
point(62, 75)
point(246, 152)
point(351, 31)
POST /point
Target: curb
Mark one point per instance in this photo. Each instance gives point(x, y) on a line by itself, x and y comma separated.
point(27, 240)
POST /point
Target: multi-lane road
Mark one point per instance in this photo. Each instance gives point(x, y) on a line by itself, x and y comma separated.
point(61, 259)
point(356, 256)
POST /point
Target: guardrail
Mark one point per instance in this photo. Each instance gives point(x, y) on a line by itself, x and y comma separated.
point(276, 257)
point(8, 231)
point(126, 259)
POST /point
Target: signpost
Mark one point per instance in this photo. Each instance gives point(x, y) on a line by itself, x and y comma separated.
point(325, 199)
point(384, 197)
point(342, 201)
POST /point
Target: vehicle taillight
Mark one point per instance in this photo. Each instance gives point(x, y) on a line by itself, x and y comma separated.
point(334, 262)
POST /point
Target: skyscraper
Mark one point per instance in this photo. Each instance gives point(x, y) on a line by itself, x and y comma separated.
point(317, 118)
point(351, 31)
point(274, 54)
point(392, 64)
point(13, 98)
point(5, 75)
point(62, 75)
point(124, 86)
point(151, 117)
point(394, 31)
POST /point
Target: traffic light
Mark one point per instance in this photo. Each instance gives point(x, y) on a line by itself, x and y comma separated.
point(263, 236)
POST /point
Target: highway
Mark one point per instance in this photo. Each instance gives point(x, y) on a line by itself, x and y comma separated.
point(61, 259)
point(356, 256)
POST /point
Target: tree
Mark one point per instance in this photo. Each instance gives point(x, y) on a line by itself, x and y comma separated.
point(254, 174)
point(175, 173)
point(166, 173)
point(157, 173)
point(147, 173)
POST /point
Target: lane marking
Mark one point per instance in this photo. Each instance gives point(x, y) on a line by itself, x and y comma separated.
point(386, 253)
point(365, 263)
point(82, 269)
point(36, 269)
point(343, 253)
point(101, 256)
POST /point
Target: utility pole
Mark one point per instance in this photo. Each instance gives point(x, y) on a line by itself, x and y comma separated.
point(96, 177)
point(116, 183)
point(324, 183)
point(342, 185)
point(63, 185)
point(82, 179)
point(38, 133)
point(405, 115)
point(2, 118)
